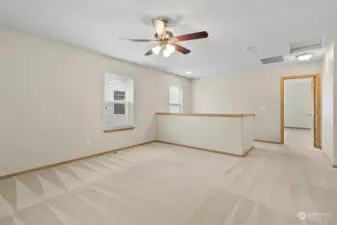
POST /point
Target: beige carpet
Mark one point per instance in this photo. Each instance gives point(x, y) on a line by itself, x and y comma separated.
point(159, 184)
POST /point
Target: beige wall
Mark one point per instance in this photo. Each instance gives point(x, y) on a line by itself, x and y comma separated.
point(224, 134)
point(327, 82)
point(252, 92)
point(52, 104)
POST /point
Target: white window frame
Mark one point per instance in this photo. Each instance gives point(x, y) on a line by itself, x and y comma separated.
point(122, 120)
point(173, 104)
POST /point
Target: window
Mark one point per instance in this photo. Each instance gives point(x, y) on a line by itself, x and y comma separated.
point(118, 102)
point(176, 99)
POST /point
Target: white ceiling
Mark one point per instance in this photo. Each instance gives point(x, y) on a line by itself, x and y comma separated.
point(269, 26)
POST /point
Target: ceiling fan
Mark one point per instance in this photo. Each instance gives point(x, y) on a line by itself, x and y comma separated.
point(167, 41)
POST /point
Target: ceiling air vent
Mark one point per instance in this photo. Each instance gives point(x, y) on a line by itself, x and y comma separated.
point(275, 59)
point(305, 46)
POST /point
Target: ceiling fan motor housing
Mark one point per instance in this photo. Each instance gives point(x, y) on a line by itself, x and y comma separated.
point(160, 27)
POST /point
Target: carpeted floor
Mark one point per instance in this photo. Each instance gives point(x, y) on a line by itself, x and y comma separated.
point(160, 184)
point(299, 138)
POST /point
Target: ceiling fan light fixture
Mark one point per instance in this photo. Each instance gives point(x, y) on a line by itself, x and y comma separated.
point(305, 57)
point(156, 49)
point(166, 54)
point(170, 48)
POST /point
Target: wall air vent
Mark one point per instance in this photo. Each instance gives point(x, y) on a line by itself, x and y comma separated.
point(305, 46)
point(275, 59)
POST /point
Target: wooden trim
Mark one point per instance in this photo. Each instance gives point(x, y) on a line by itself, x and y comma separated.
point(207, 150)
point(72, 160)
point(270, 142)
point(282, 110)
point(327, 157)
point(118, 129)
point(282, 99)
point(117, 150)
point(247, 152)
point(300, 76)
point(297, 128)
point(317, 113)
point(207, 115)
point(248, 114)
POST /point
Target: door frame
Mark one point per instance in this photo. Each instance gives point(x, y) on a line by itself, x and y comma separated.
point(317, 104)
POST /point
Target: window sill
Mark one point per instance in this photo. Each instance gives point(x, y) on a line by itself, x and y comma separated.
point(118, 129)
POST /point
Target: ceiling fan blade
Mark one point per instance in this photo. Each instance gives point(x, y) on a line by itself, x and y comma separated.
point(193, 36)
point(149, 52)
point(138, 40)
point(181, 49)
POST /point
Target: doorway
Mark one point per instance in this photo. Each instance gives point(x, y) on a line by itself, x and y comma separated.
point(300, 109)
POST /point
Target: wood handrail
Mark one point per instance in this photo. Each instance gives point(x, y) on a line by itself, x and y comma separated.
point(205, 114)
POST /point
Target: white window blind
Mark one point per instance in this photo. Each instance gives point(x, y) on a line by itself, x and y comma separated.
point(118, 101)
point(175, 99)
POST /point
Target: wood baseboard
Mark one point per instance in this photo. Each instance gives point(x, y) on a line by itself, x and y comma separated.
point(327, 157)
point(72, 160)
point(117, 150)
point(208, 150)
point(247, 152)
point(297, 128)
point(118, 129)
point(270, 142)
